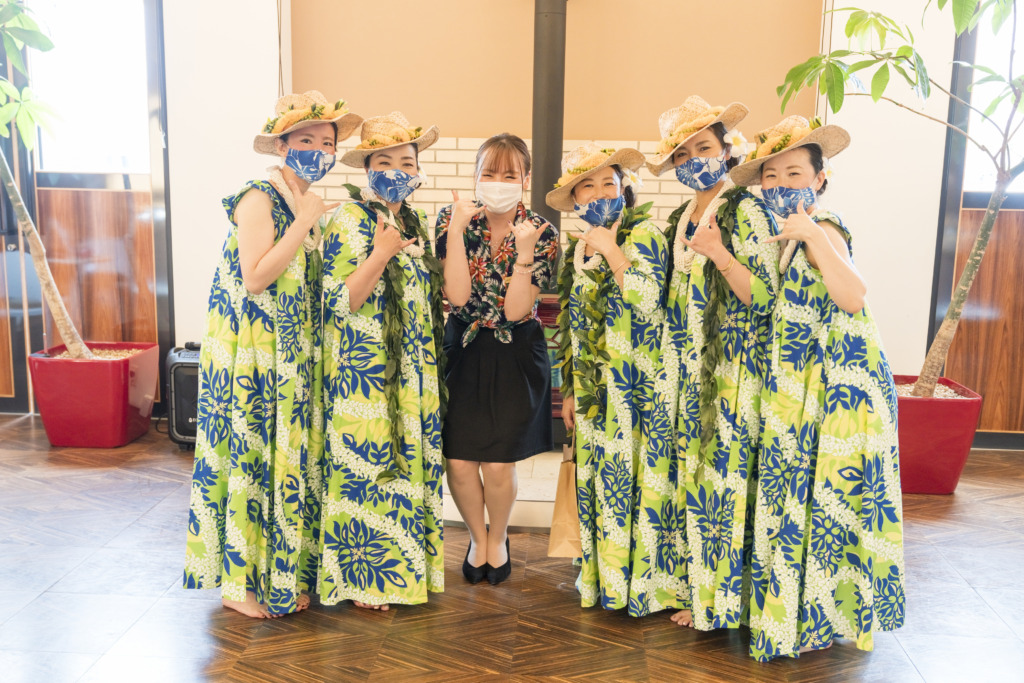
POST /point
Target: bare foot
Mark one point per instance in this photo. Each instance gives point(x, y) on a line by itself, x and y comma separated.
point(683, 617)
point(382, 608)
point(302, 602)
point(250, 607)
point(812, 647)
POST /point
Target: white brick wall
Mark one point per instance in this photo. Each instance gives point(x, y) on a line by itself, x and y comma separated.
point(449, 165)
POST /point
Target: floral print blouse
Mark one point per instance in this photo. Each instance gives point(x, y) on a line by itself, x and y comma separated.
point(489, 277)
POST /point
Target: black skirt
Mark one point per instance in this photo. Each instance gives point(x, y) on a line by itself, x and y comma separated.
point(499, 395)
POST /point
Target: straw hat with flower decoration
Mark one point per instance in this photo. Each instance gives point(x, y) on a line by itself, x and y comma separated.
point(790, 133)
point(681, 123)
point(584, 161)
point(297, 111)
point(383, 132)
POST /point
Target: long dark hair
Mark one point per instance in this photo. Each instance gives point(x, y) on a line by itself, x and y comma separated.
point(718, 128)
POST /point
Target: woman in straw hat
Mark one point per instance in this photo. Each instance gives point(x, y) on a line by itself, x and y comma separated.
point(255, 510)
point(611, 289)
point(720, 297)
point(828, 538)
point(381, 540)
point(497, 256)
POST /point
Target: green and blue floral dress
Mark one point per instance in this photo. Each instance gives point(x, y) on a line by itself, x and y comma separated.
point(382, 525)
point(828, 539)
point(254, 513)
point(626, 471)
point(716, 484)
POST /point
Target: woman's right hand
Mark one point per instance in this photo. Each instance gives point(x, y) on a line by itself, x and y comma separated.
point(569, 413)
point(463, 211)
point(309, 206)
point(387, 240)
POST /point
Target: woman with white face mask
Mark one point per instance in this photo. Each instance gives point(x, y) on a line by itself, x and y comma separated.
point(255, 509)
point(497, 256)
point(382, 525)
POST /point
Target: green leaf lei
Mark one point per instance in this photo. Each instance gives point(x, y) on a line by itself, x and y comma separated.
point(714, 311)
point(396, 317)
point(592, 392)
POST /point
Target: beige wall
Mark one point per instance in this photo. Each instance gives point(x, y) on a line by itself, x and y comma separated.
point(438, 62)
point(467, 65)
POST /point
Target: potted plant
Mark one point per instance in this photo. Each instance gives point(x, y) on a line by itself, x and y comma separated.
point(98, 394)
point(936, 429)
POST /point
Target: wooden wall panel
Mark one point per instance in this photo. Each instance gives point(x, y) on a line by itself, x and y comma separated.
point(6, 350)
point(987, 354)
point(100, 247)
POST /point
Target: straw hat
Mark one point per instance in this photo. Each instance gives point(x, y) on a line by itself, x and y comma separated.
point(790, 133)
point(294, 112)
point(584, 161)
point(385, 132)
point(683, 122)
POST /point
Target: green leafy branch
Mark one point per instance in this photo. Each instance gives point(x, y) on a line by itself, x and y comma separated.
point(888, 47)
point(18, 30)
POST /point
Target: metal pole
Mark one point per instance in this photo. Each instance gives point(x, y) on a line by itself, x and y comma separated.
point(548, 101)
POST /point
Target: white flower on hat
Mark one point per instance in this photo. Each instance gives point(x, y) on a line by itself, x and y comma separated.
point(739, 144)
point(632, 178)
point(827, 168)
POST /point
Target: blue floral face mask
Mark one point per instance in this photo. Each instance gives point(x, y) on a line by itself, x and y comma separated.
point(309, 164)
point(601, 212)
point(393, 185)
point(702, 173)
point(783, 201)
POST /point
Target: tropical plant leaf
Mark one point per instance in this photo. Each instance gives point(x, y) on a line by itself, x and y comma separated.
point(863, 64)
point(35, 39)
point(994, 104)
point(26, 127)
point(963, 12)
point(9, 11)
point(1002, 12)
point(14, 53)
point(924, 86)
point(878, 82)
point(836, 86)
point(9, 89)
point(7, 113)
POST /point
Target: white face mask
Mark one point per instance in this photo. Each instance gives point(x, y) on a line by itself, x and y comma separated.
point(499, 197)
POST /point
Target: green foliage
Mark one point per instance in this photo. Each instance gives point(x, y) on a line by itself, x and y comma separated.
point(19, 31)
point(887, 47)
point(396, 319)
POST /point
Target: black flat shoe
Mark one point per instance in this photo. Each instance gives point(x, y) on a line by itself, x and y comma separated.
point(474, 574)
point(496, 575)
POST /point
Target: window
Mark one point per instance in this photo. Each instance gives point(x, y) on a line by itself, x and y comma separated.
point(95, 80)
point(993, 51)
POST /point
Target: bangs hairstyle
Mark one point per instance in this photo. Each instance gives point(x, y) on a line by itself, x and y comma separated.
point(504, 152)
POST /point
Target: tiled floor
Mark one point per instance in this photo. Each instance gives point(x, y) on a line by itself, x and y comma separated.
point(91, 546)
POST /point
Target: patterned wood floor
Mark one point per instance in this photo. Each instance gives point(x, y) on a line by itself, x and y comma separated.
point(91, 547)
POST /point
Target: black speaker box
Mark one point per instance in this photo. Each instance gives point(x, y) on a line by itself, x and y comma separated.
point(183, 394)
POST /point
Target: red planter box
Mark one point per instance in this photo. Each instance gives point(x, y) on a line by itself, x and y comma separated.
point(935, 437)
point(96, 403)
